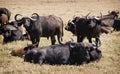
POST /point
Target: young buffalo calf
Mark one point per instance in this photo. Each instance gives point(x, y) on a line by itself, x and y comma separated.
point(17, 52)
point(20, 52)
point(69, 53)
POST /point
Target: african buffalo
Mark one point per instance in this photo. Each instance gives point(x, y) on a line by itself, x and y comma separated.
point(86, 27)
point(108, 19)
point(68, 53)
point(25, 36)
point(18, 52)
point(10, 33)
point(15, 24)
point(42, 26)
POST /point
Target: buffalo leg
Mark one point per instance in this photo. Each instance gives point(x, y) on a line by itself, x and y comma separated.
point(37, 40)
point(78, 38)
point(98, 42)
point(59, 39)
point(34, 40)
point(90, 40)
point(53, 40)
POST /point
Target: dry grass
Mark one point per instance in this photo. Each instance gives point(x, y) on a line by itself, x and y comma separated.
point(66, 9)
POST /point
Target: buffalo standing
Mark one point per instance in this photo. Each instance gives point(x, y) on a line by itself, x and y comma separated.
point(109, 19)
point(43, 26)
point(87, 27)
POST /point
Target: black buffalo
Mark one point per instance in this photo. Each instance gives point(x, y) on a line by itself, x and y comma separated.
point(12, 33)
point(43, 26)
point(69, 53)
point(86, 27)
point(17, 25)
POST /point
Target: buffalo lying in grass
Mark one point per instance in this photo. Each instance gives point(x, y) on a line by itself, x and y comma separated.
point(69, 53)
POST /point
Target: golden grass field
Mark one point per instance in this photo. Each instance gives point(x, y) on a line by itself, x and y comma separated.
point(66, 9)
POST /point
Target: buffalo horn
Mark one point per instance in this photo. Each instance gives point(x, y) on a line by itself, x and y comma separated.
point(32, 17)
point(16, 17)
point(70, 22)
point(87, 15)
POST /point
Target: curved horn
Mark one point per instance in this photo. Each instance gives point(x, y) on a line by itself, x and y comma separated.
point(17, 16)
point(35, 14)
point(33, 17)
point(70, 22)
point(87, 15)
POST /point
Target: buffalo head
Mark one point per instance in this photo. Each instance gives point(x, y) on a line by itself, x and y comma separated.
point(71, 27)
point(114, 13)
point(30, 47)
point(26, 21)
point(95, 54)
point(5, 32)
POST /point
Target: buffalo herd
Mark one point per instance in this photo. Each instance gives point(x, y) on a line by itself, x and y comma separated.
point(50, 26)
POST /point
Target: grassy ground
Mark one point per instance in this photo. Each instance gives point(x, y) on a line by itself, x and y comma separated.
point(110, 62)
